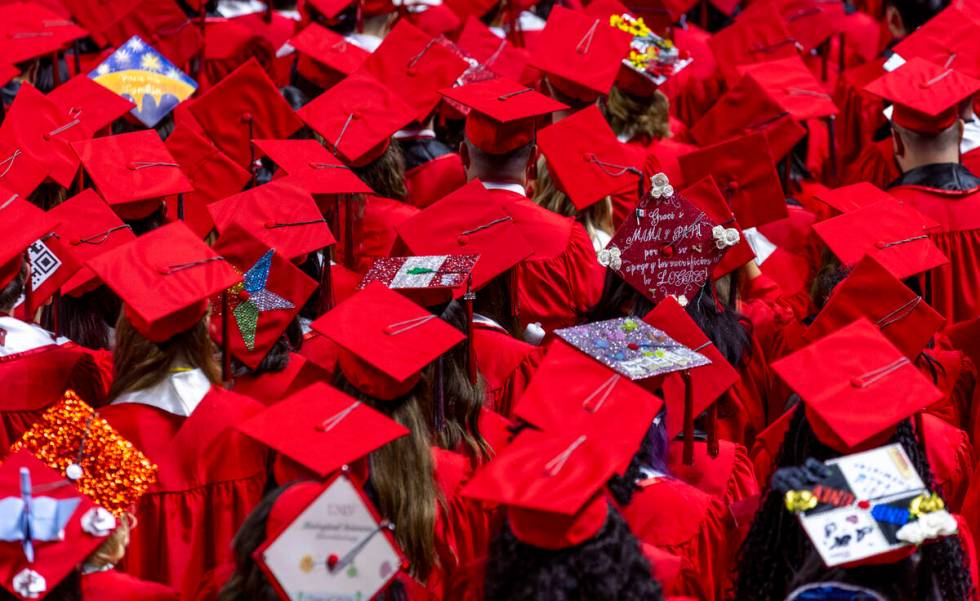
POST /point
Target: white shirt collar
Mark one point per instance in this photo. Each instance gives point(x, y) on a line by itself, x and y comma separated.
point(414, 133)
point(180, 393)
point(18, 336)
point(516, 188)
point(231, 9)
point(971, 135)
point(365, 41)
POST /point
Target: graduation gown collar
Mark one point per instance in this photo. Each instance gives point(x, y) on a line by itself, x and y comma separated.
point(178, 394)
point(18, 336)
point(948, 177)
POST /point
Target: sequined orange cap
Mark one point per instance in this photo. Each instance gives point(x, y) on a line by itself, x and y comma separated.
point(74, 441)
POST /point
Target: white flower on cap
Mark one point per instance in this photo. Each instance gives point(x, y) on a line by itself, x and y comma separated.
point(660, 186)
point(928, 526)
point(611, 257)
point(99, 522)
point(29, 584)
point(725, 236)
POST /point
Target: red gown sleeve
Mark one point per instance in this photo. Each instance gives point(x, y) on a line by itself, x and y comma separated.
point(116, 586)
point(950, 455)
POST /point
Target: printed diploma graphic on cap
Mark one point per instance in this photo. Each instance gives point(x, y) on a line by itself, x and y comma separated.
point(140, 74)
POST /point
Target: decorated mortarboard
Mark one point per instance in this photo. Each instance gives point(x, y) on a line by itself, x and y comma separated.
point(330, 543)
point(493, 52)
point(143, 76)
point(667, 247)
point(573, 392)
point(926, 96)
point(744, 171)
point(580, 54)
point(385, 340)
point(895, 234)
point(652, 59)
point(93, 105)
point(427, 280)
point(47, 528)
point(164, 278)
point(950, 39)
point(30, 30)
point(280, 213)
point(52, 263)
point(586, 160)
point(24, 224)
point(855, 196)
point(865, 508)
point(856, 386)
point(244, 106)
point(632, 347)
point(871, 291)
point(72, 439)
point(325, 56)
point(310, 165)
point(133, 172)
point(265, 302)
point(322, 428)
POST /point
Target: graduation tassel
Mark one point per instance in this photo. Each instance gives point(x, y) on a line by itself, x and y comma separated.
point(349, 231)
point(832, 143)
point(247, 117)
point(180, 206)
point(77, 56)
point(56, 73)
point(326, 283)
point(825, 60)
point(688, 456)
point(468, 299)
point(841, 58)
point(225, 338)
point(440, 412)
point(198, 65)
point(784, 176)
point(703, 18)
point(56, 313)
point(712, 427)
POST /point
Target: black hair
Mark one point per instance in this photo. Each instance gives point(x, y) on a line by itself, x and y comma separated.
point(10, 293)
point(277, 359)
point(610, 566)
point(86, 319)
point(652, 454)
point(915, 13)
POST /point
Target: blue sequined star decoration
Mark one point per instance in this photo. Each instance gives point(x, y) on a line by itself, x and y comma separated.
point(256, 299)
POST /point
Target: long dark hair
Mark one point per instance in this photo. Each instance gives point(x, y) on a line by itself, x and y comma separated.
point(610, 566)
point(248, 581)
point(386, 174)
point(652, 454)
point(85, 319)
point(776, 547)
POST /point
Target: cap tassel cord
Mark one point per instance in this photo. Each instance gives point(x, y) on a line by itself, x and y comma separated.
point(278, 224)
point(510, 95)
point(137, 165)
point(350, 555)
point(769, 121)
point(867, 379)
point(701, 347)
point(182, 266)
point(101, 238)
point(905, 241)
point(328, 166)
point(688, 451)
point(805, 92)
point(22, 35)
point(7, 202)
point(937, 79)
point(585, 44)
point(400, 327)
point(558, 462)
point(415, 59)
point(766, 49)
point(10, 161)
point(62, 129)
point(480, 228)
point(343, 130)
point(603, 392)
point(949, 61)
point(900, 313)
point(333, 421)
point(803, 13)
point(468, 300)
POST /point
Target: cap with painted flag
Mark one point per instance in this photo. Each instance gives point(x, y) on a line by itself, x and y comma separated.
point(856, 386)
point(427, 280)
point(164, 278)
point(926, 96)
point(312, 167)
point(504, 115)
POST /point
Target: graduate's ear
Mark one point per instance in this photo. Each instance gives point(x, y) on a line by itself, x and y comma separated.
point(893, 19)
point(464, 155)
point(898, 144)
point(531, 171)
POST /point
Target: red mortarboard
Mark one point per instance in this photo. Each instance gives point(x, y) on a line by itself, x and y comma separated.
point(94, 105)
point(552, 485)
point(7, 72)
point(793, 87)
point(586, 160)
point(165, 278)
point(427, 281)
point(244, 106)
point(89, 228)
point(744, 171)
point(52, 264)
point(893, 233)
point(856, 386)
point(29, 30)
point(812, 22)
point(132, 172)
point(433, 17)
point(870, 291)
point(23, 223)
point(494, 53)
point(357, 118)
point(751, 39)
point(162, 23)
point(416, 65)
point(385, 340)
point(503, 114)
point(265, 302)
point(57, 552)
point(706, 196)
point(280, 214)
point(322, 428)
point(573, 392)
point(580, 54)
point(468, 222)
point(850, 198)
point(326, 56)
point(950, 39)
point(311, 166)
point(926, 96)
point(329, 8)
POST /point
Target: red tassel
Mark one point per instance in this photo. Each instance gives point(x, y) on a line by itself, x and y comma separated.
point(349, 231)
point(515, 303)
point(688, 418)
point(712, 427)
point(226, 338)
point(326, 284)
point(468, 298)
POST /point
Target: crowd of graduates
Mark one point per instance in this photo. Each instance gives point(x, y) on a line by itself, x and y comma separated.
point(489, 299)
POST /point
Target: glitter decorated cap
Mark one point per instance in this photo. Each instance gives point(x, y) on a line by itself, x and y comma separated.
point(895, 234)
point(926, 96)
point(312, 167)
point(280, 213)
point(428, 280)
point(385, 340)
point(856, 386)
point(133, 187)
point(322, 428)
point(855, 196)
point(265, 302)
point(74, 441)
point(24, 223)
point(165, 278)
point(63, 527)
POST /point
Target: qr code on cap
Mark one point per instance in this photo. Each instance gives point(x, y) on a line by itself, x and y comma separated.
point(43, 263)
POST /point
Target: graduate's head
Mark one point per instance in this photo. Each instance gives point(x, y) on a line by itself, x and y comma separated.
point(386, 173)
point(638, 116)
point(515, 166)
point(914, 149)
point(905, 16)
point(14, 288)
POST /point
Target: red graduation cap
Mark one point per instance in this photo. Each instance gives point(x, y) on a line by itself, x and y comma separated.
point(91, 103)
point(312, 167)
point(52, 264)
point(280, 214)
point(586, 160)
point(244, 106)
point(926, 96)
point(29, 30)
point(493, 52)
point(7, 72)
point(468, 222)
point(950, 39)
point(431, 16)
point(793, 87)
point(162, 23)
point(265, 302)
point(856, 386)
point(744, 171)
point(706, 196)
point(165, 278)
point(357, 118)
point(812, 22)
point(132, 172)
point(88, 227)
point(893, 233)
point(325, 56)
point(322, 428)
point(580, 54)
point(855, 196)
point(23, 223)
point(504, 115)
point(385, 340)
point(872, 292)
point(754, 37)
point(416, 65)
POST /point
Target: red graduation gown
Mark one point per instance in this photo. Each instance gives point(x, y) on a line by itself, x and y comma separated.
point(506, 365)
point(374, 229)
point(116, 586)
point(876, 165)
point(434, 179)
point(271, 387)
point(955, 287)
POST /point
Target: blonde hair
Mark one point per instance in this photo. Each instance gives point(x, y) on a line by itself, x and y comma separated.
point(113, 548)
point(635, 116)
point(595, 218)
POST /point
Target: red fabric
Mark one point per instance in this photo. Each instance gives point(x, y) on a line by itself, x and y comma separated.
point(116, 586)
point(729, 476)
point(950, 455)
point(955, 287)
point(212, 583)
point(210, 479)
point(271, 387)
point(374, 229)
point(875, 164)
point(506, 364)
point(434, 179)
point(766, 448)
point(956, 376)
point(742, 410)
point(229, 45)
point(860, 113)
